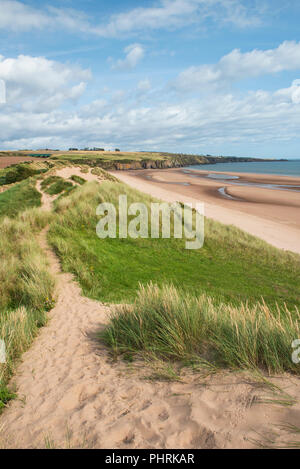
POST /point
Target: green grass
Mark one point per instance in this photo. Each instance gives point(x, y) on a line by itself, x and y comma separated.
point(54, 185)
point(48, 181)
point(19, 198)
point(133, 160)
point(232, 267)
point(21, 171)
point(78, 179)
point(24, 277)
point(107, 156)
point(165, 323)
point(26, 287)
point(104, 175)
point(5, 396)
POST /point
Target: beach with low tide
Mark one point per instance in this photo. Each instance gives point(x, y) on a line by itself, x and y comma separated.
point(264, 205)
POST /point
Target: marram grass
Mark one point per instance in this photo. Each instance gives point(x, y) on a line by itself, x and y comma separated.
point(24, 277)
point(26, 288)
point(166, 324)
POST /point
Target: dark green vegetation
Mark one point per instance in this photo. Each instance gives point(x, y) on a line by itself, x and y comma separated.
point(19, 198)
point(18, 173)
point(233, 267)
point(78, 179)
point(163, 323)
point(54, 185)
point(5, 396)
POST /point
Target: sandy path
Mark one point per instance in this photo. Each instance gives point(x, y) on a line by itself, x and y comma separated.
point(278, 233)
point(72, 394)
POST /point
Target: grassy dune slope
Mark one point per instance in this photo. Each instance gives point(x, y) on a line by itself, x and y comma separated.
point(18, 198)
point(166, 324)
point(54, 185)
point(232, 267)
point(26, 287)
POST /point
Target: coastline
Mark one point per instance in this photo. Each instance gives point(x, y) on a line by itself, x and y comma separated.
point(272, 215)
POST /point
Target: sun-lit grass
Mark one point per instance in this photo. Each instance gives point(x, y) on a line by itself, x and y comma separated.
point(24, 277)
point(26, 287)
point(232, 266)
point(78, 179)
point(19, 197)
point(168, 324)
point(54, 185)
point(104, 175)
point(111, 156)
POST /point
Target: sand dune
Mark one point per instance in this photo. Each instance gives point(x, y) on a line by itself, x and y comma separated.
point(71, 393)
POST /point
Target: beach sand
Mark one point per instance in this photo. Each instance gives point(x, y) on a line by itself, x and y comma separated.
point(272, 215)
point(73, 394)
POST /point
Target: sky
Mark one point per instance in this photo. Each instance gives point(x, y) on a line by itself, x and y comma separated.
point(219, 77)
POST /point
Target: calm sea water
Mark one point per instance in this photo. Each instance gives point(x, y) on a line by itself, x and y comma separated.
point(282, 168)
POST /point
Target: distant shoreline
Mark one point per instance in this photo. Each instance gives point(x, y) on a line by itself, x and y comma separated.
point(133, 160)
point(271, 215)
point(290, 168)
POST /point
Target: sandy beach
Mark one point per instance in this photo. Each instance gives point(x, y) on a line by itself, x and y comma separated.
point(72, 394)
point(271, 214)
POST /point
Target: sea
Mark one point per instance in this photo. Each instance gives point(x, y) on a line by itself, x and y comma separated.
point(280, 168)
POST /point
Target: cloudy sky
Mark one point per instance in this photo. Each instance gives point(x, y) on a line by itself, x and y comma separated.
point(194, 76)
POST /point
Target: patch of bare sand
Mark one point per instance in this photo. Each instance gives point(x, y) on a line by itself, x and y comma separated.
point(71, 393)
point(68, 171)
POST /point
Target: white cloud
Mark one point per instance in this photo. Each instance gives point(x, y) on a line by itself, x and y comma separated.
point(170, 14)
point(237, 65)
point(38, 90)
point(17, 16)
point(193, 125)
point(166, 14)
point(290, 94)
point(38, 82)
point(134, 54)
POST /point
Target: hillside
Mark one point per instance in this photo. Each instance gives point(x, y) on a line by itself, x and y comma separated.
point(127, 160)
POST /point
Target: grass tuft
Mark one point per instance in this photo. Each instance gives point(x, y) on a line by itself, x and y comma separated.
point(54, 185)
point(78, 179)
point(167, 324)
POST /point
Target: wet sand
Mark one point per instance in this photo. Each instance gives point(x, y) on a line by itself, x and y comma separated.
point(273, 215)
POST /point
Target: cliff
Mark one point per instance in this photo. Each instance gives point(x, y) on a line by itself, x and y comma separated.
point(170, 161)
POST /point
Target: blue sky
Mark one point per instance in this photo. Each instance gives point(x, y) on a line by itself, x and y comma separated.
point(194, 76)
